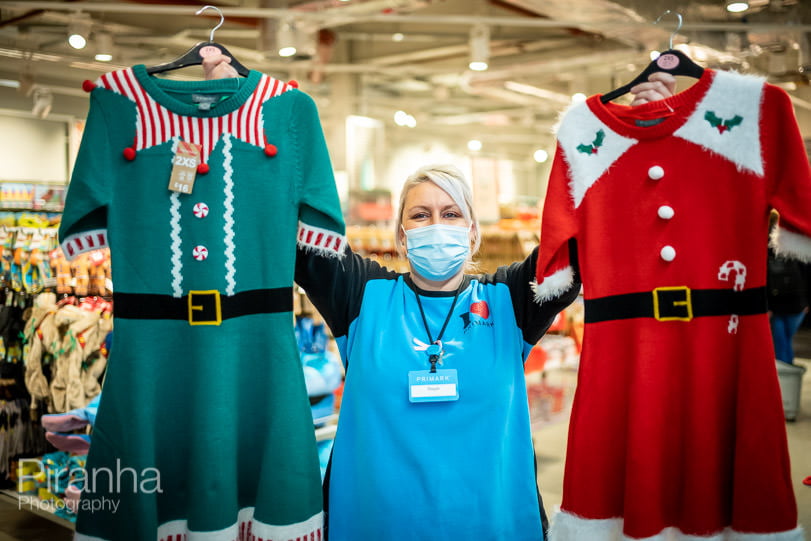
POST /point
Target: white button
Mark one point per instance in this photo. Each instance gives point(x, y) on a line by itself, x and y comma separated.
point(200, 253)
point(666, 212)
point(200, 210)
point(668, 253)
point(656, 172)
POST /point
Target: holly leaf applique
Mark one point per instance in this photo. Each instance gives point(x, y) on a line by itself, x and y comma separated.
point(599, 137)
point(721, 124)
point(734, 121)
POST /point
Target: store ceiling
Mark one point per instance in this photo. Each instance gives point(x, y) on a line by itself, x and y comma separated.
point(373, 57)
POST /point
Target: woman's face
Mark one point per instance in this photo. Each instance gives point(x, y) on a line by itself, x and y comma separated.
point(428, 204)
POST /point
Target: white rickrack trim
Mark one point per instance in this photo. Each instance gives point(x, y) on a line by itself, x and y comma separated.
point(177, 254)
point(322, 241)
point(80, 243)
point(228, 178)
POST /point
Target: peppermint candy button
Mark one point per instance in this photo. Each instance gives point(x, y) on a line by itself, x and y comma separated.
point(201, 210)
point(200, 253)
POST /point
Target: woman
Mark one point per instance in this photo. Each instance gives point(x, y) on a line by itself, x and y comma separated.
point(434, 437)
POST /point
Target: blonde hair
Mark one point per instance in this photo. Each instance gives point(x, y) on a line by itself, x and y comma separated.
point(453, 182)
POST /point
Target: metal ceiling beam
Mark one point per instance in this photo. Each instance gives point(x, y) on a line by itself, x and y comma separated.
point(327, 20)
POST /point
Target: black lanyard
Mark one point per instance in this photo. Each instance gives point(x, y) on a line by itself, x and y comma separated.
point(435, 353)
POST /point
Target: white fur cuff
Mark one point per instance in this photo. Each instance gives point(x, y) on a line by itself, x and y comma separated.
point(790, 244)
point(570, 527)
point(554, 285)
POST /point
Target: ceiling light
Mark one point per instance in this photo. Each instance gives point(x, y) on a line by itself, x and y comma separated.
point(43, 100)
point(401, 118)
point(474, 145)
point(699, 54)
point(286, 39)
point(104, 46)
point(79, 32)
point(77, 41)
point(541, 155)
point(295, 39)
point(398, 36)
point(479, 47)
point(737, 7)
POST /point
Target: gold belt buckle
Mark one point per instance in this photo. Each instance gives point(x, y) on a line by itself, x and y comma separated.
point(202, 301)
point(686, 302)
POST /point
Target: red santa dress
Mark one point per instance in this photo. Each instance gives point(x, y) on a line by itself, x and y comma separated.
point(677, 428)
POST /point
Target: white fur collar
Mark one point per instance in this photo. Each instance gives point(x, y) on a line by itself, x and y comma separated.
point(589, 147)
point(727, 121)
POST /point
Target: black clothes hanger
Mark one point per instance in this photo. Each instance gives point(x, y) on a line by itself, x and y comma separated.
point(671, 61)
point(195, 55)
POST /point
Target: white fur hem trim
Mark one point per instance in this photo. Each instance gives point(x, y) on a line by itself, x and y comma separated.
point(246, 528)
point(790, 244)
point(322, 241)
point(553, 285)
point(570, 527)
point(79, 243)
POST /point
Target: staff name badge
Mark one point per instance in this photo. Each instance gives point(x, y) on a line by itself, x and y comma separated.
point(427, 386)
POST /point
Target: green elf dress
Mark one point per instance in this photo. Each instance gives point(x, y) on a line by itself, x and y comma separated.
point(204, 430)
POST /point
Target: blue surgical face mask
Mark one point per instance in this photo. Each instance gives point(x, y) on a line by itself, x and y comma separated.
point(437, 252)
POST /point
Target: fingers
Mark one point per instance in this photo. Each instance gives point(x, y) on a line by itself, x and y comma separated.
point(668, 80)
point(645, 96)
point(218, 66)
point(660, 85)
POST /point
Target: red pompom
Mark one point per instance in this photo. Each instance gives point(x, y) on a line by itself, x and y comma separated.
point(271, 150)
point(202, 168)
point(293, 83)
point(88, 85)
point(129, 154)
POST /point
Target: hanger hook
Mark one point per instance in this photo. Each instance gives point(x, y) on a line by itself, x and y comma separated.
point(678, 27)
point(222, 19)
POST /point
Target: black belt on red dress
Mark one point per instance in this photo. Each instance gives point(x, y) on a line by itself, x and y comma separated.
point(676, 304)
point(208, 307)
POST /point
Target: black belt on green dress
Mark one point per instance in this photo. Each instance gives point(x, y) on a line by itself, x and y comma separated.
point(202, 307)
point(676, 304)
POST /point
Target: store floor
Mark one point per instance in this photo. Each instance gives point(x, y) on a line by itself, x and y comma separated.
point(18, 524)
point(550, 444)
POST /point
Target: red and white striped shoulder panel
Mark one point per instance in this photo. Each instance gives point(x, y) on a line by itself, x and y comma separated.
point(156, 125)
